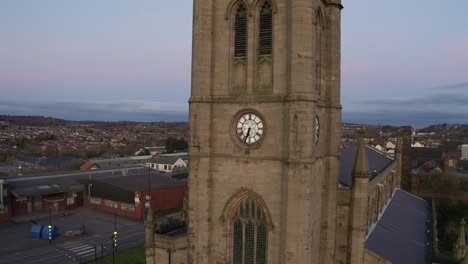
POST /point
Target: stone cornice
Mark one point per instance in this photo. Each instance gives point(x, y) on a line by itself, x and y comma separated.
point(361, 174)
point(333, 3)
point(253, 99)
point(284, 159)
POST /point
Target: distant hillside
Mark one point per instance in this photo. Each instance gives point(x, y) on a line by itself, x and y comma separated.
point(51, 121)
point(33, 120)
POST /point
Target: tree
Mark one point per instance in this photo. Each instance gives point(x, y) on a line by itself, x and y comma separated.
point(144, 152)
point(176, 145)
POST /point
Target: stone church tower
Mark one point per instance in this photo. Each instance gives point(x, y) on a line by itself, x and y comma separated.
point(265, 122)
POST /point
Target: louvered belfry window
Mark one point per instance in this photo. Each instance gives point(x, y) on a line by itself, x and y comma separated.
point(240, 28)
point(266, 25)
point(249, 234)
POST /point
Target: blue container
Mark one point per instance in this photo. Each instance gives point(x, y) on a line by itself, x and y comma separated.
point(36, 231)
point(45, 232)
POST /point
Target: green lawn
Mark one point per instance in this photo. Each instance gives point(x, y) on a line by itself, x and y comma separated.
point(130, 256)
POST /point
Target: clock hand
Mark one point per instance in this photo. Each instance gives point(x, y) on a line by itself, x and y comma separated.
point(248, 135)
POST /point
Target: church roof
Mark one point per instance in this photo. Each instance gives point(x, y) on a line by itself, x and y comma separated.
point(402, 232)
point(376, 160)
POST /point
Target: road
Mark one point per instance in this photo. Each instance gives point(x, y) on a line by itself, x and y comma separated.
point(78, 251)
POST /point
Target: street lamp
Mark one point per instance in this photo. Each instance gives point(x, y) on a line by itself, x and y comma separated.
point(1, 194)
point(89, 190)
point(50, 229)
point(114, 238)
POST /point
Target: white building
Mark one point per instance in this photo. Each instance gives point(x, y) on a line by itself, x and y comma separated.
point(464, 152)
point(390, 145)
point(166, 163)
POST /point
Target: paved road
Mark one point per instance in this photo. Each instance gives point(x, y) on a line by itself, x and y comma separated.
point(17, 246)
point(78, 251)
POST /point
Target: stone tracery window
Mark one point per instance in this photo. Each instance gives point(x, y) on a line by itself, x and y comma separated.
point(249, 232)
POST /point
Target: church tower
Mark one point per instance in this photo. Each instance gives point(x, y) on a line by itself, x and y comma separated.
point(265, 127)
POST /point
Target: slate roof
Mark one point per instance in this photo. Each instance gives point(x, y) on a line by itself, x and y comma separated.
point(123, 188)
point(109, 191)
point(377, 161)
point(422, 155)
point(49, 183)
point(46, 161)
point(164, 159)
point(56, 161)
point(121, 161)
point(463, 164)
point(401, 233)
point(139, 183)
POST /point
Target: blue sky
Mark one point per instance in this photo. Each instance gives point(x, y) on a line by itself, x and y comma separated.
point(403, 62)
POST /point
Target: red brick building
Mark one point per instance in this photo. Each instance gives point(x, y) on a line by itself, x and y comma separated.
point(126, 195)
point(62, 191)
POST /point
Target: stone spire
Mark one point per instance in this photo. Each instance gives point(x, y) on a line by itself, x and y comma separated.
point(359, 202)
point(460, 246)
point(361, 163)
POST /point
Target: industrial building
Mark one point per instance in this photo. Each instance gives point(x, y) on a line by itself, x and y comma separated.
point(33, 195)
point(127, 196)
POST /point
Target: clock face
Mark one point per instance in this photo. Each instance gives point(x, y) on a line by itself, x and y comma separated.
point(249, 128)
point(317, 129)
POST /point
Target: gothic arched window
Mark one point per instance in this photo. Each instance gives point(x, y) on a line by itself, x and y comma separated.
point(249, 234)
point(248, 223)
point(240, 32)
point(265, 29)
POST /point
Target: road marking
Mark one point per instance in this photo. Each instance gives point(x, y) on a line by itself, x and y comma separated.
point(78, 248)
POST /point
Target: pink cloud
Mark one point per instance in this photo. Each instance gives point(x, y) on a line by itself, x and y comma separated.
point(357, 68)
point(456, 50)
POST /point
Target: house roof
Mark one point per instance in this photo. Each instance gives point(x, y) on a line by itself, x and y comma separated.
point(164, 159)
point(402, 233)
point(426, 153)
point(463, 164)
point(379, 141)
point(377, 161)
point(88, 165)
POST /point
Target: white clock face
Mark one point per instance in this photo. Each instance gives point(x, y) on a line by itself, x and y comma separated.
point(317, 129)
point(250, 128)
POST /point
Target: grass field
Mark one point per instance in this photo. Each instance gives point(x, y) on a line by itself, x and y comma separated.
point(130, 256)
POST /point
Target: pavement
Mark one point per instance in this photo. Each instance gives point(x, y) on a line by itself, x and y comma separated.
point(17, 246)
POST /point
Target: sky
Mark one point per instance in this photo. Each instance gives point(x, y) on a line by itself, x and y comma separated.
point(403, 62)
